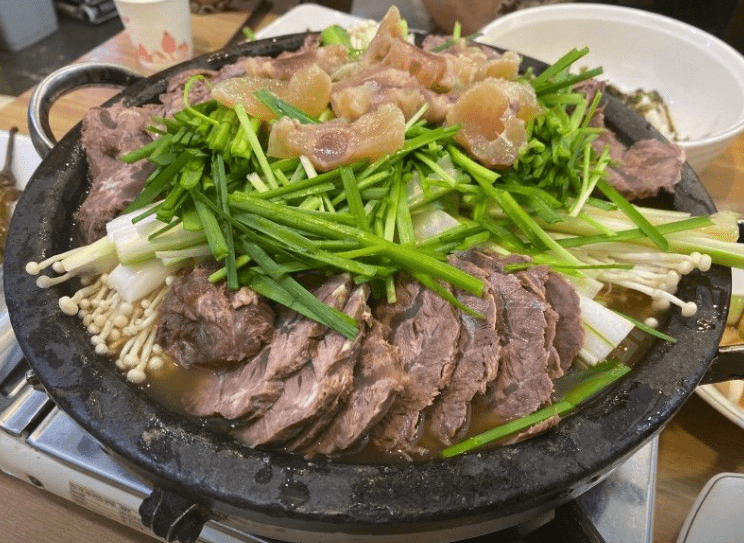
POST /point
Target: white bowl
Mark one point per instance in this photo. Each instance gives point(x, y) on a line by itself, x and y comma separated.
point(700, 77)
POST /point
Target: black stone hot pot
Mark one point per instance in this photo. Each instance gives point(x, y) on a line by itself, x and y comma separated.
point(200, 473)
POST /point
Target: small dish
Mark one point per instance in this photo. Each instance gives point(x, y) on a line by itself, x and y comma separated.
point(721, 403)
point(25, 157)
point(716, 513)
point(699, 77)
point(25, 161)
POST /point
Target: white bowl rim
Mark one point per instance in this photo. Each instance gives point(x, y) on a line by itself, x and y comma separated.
point(726, 54)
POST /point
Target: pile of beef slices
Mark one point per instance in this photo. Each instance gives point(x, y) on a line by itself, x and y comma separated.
point(417, 368)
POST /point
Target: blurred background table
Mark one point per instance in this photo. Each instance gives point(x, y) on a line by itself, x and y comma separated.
point(697, 444)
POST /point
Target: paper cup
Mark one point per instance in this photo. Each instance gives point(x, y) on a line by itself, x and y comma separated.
point(160, 31)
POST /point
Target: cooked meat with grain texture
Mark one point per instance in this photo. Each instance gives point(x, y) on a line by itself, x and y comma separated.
point(317, 389)
point(417, 366)
point(378, 379)
point(478, 354)
point(247, 392)
point(204, 324)
point(425, 328)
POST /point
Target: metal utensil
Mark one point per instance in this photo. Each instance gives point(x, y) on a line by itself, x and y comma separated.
point(255, 16)
point(7, 179)
point(8, 191)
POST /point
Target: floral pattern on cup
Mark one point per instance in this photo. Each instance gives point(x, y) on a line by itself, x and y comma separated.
point(170, 52)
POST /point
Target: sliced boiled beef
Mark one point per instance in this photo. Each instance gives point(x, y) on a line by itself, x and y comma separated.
point(297, 337)
point(426, 329)
point(535, 279)
point(378, 379)
point(204, 324)
point(533, 430)
point(479, 349)
point(569, 335)
point(107, 134)
point(249, 391)
point(241, 392)
point(317, 390)
point(523, 384)
point(642, 170)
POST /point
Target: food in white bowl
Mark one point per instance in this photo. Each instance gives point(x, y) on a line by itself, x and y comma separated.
point(699, 77)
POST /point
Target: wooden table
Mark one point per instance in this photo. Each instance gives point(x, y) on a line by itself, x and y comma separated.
point(697, 444)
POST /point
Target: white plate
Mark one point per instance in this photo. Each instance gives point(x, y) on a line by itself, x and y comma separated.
point(25, 162)
point(718, 400)
point(25, 157)
point(307, 18)
point(711, 393)
point(716, 517)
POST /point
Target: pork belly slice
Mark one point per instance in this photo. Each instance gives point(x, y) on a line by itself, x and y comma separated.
point(339, 142)
point(479, 349)
point(425, 328)
point(378, 379)
point(316, 389)
point(249, 391)
point(205, 324)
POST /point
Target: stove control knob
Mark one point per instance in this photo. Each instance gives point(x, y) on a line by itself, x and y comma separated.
point(173, 517)
point(33, 380)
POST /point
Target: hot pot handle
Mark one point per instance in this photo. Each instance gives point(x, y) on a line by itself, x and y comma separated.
point(173, 517)
point(63, 81)
point(727, 365)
